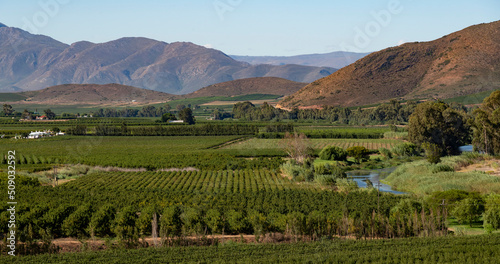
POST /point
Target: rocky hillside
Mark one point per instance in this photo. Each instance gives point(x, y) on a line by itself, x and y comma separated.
point(462, 63)
point(33, 62)
point(108, 94)
point(260, 85)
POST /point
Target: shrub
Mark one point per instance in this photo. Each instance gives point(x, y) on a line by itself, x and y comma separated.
point(385, 152)
point(359, 153)
point(441, 168)
point(333, 153)
point(405, 150)
point(432, 152)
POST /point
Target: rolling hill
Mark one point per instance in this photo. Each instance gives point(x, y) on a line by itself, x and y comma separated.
point(260, 85)
point(462, 63)
point(90, 94)
point(337, 59)
point(33, 62)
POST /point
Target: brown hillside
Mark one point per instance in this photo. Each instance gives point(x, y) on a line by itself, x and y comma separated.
point(107, 94)
point(260, 85)
point(462, 63)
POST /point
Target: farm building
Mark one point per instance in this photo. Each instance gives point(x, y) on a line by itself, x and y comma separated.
point(38, 134)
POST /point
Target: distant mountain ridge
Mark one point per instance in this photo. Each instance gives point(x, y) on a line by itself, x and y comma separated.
point(337, 59)
point(259, 85)
point(462, 63)
point(95, 94)
point(32, 62)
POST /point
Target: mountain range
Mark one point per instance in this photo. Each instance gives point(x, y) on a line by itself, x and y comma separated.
point(462, 63)
point(33, 62)
point(337, 59)
point(259, 85)
point(93, 94)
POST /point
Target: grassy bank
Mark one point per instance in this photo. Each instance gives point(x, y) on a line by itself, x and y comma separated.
point(421, 177)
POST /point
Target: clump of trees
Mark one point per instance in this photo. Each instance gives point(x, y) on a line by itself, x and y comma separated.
point(439, 124)
point(486, 125)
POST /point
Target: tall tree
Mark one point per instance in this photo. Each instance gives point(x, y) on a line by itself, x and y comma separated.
point(186, 115)
point(438, 123)
point(7, 109)
point(486, 125)
point(49, 114)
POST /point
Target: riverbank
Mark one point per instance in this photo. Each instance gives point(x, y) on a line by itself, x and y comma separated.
point(469, 172)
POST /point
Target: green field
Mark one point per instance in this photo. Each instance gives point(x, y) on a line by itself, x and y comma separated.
point(257, 143)
point(11, 97)
point(129, 152)
point(470, 249)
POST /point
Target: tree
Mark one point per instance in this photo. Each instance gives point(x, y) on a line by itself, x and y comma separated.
point(468, 210)
point(213, 219)
point(492, 214)
point(486, 125)
point(26, 114)
point(333, 153)
point(359, 153)
point(297, 146)
point(186, 115)
point(170, 222)
point(49, 114)
point(438, 123)
point(167, 117)
point(7, 109)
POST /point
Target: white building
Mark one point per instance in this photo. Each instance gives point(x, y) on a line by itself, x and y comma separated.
point(38, 134)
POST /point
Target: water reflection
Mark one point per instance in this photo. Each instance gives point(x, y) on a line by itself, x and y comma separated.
point(366, 178)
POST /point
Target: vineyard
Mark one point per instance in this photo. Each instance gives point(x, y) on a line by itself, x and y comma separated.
point(372, 144)
point(470, 249)
point(191, 181)
point(133, 152)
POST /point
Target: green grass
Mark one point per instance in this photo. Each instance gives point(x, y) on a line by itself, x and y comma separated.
point(450, 249)
point(421, 177)
point(11, 97)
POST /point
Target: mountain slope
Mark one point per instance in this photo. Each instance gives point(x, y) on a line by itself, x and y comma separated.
point(32, 62)
point(260, 85)
point(462, 63)
point(337, 59)
point(108, 94)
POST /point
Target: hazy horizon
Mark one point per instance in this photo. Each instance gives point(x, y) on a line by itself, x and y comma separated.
point(252, 28)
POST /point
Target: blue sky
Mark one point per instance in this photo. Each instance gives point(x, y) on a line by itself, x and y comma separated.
point(252, 27)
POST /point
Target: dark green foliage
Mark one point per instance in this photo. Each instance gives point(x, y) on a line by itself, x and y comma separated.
point(50, 115)
point(333, 153)
point(359, 153)
point(438, 123)
point(385, 152)
point(492, 214)
point(486, 125)
point(432, 152)
point(468, 210)
point(102, 221)
point(464, 249)
point(170, 222)
point(77, 223)
point(186, 115)
point(168, 117)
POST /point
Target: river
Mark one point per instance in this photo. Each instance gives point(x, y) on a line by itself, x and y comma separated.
point(362, 178)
